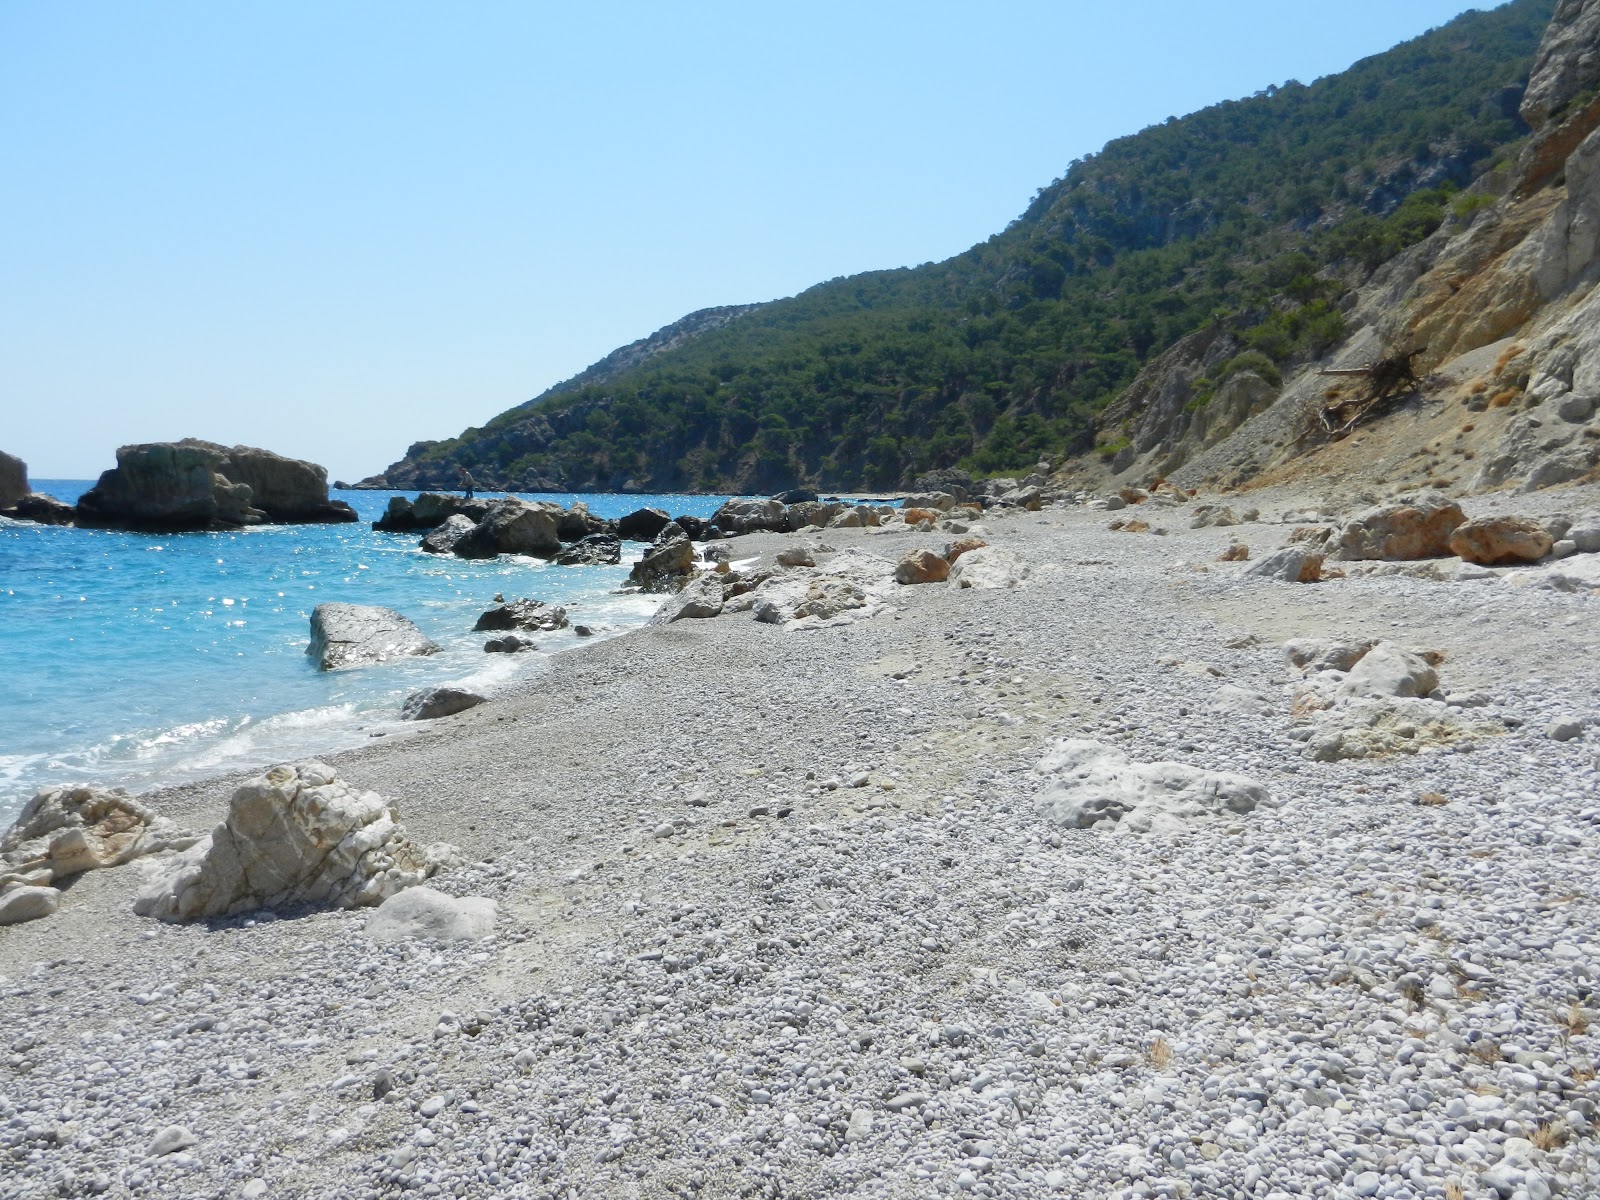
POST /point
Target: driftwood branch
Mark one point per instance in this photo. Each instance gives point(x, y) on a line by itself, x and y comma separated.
point(1388, 378)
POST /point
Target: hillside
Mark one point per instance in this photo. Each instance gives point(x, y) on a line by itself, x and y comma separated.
point(1256, 217)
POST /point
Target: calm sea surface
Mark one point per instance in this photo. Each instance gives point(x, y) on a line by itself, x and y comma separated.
point(139, 659)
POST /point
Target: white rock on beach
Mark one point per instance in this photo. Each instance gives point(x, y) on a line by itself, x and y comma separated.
point(423, 912)
point(1090, 783)
point(297, 835)
point(63, 832)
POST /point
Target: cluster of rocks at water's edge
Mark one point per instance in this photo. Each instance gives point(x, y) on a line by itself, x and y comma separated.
point(169, 487)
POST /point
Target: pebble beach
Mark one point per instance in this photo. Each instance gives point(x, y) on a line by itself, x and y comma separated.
point(785, 910)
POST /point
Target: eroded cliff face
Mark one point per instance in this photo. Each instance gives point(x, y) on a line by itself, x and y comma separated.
point(1501, 303)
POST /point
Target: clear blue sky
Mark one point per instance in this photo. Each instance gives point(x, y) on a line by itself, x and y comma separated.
point(335, 228)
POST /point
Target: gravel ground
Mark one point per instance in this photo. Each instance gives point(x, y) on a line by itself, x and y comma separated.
point(781, 916)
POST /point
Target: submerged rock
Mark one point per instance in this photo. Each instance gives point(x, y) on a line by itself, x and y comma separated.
point(353, 635)
point(296, 835)
point(524, 614)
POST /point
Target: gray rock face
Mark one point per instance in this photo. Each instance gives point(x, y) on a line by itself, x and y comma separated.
point(13, 480)
point(524, 614)
point(424, 912)
point(444, 701)
point(598, 549)
point(443, 538)
point(353, 635)
point(194, 484)
point(1568, 60)
point(428, 511)
point(512, 527)
point(295, 835)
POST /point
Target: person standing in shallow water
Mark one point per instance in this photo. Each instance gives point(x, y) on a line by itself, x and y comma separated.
point(467, 482)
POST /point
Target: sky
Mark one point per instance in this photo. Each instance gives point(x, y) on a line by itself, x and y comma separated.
point(335, 228)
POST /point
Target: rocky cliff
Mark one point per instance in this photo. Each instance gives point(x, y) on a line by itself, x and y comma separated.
point(1500, 306)
point(193, 484)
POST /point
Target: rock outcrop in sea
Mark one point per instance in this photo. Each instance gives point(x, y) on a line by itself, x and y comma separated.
point(193, 484)
point(20, 502)
point(354, 635)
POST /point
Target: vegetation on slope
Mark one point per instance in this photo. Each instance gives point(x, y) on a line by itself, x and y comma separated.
point(1259, 213)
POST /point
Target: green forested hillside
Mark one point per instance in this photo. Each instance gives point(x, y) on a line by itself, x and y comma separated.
point(1259, 213)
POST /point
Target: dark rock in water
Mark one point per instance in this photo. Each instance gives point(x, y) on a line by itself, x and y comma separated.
point(509, 643)
point(596, 550)
point(434, 702)
point(664, 568)
point(669, 532)
point(340, 485)
point(696, 527)
point(353, 635)
point(443, 539)
point(796, 496)
point(13, 480)
point(428, 511)
point(583, 631)
point(524, 614)
point(43, 510)
point(577, 523)
point(642, 525)
point(512, 527)
point(193, 484)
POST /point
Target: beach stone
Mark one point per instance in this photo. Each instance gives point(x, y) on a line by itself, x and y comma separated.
point(1088, 783)
point(700, 600)
point(989, 568)
point(423, 912)
point(1586, 538)
point(526, 614)
point(1324, 654)
point(355, 635)
point(25, 903)
point(443, 538)
point(296, 835)
point(1292, 564)
point(172, 1139)
point(513, 527)
point(1417, 527)
point(664, 568)
point(594, 550)
point(956, 549)
point(1206, 516)
point(442, 701)
point(796, 556)
point(642, 525)
point(1565, 729)
point(921, 566)
point(1388, 670)
point(1496, 541)
point(63, 832)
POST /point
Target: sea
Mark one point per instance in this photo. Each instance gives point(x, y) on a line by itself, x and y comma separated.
point(142, 660)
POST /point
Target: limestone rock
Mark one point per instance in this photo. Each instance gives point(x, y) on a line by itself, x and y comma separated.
point(424, 912)
point(442, 539)
point(989, 568)
point(1087, 783)
point(851, 587)
point(594, 550)
point(26, 903)
point(1388, 670)
point(43, 510)
point(922, 566)
point(535, 615)
point(812, 514)
point(642, 525)
point(700, 600)
point(664, 568)
point(747, 516)
point(354, 635)
point(1567, 63)
point(1325, 654)
point(442, 701)
point(1207, 515)
point(13, 481)
point(193, 484)
point(1406, 529)
point(513, 527)
point(1495, 541)
point(796, 556)
point(1366, 728)
point(577, 523)
point(965, 545)
point(938, 501)
point(428, 511)
point(65, 831)
point(1292, 564)
point(297, 835)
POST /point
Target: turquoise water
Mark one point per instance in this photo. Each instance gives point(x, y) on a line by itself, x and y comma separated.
point(141, 659)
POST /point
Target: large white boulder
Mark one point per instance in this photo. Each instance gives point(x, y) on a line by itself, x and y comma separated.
point(65, 831)
point(424, 912)
point(1388, 670)
point(1089, 782)
point(23, 903)
point(297, 835)
point(989, 568)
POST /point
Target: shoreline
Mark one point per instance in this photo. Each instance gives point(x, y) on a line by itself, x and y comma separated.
point(942, 988)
